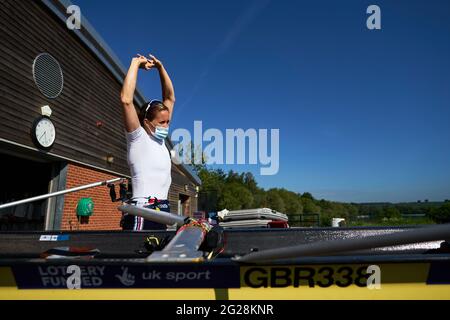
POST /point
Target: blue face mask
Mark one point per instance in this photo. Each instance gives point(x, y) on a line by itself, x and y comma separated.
point(160, 133)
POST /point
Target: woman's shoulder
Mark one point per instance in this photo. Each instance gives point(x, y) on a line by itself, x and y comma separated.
point(135, 134)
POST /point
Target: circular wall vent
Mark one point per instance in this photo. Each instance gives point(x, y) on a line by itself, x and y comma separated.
point(48, 75)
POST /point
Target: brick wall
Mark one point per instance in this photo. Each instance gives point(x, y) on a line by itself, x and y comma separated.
point(105, 217)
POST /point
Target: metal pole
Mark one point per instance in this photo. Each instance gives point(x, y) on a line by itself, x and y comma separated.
point(58, 193)
point(434, 233)
point(154, 215)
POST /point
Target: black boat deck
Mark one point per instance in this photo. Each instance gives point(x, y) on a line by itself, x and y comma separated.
point(129, 244)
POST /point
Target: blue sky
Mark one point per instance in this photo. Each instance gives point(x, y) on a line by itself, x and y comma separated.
point(363, 114)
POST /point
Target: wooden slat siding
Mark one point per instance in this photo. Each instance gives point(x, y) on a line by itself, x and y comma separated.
point(80, 69)
point(100, 141)
point(173, 204)
point(176, 190)
point(90, 92)
point(179, 180)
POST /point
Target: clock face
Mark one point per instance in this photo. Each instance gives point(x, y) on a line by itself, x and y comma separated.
point(45, 132)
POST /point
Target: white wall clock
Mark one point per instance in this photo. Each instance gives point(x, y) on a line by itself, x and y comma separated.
point(43, 132)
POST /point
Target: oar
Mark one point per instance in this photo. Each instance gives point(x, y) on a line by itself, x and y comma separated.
point(58, 193)
point(433, 233)
point(154, 215)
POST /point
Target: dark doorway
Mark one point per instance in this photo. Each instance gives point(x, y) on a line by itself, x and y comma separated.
point(185, 204)
point(21, 179)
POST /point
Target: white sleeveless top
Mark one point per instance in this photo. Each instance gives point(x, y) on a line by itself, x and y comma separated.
point(150, 165)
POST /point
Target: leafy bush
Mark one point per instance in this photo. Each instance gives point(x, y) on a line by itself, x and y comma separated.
point(440, 214)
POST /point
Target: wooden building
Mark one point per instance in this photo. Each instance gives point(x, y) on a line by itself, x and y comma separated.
point(74, 73)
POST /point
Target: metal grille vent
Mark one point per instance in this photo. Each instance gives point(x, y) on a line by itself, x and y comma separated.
point(48, 75)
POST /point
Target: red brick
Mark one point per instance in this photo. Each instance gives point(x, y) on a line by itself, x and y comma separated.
point(105, 217)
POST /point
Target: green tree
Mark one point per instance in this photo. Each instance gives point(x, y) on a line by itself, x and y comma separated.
point(292, 202)
point(391, 212)
point(234, 177)
point(440, 214)
point(235, 197)
point(352, 211)
point(307, 195)
point(212, 179)
point(275, 201)
point(325, 217)
point(323, 204)
point(250, 182)
point(377, 213)
point(260, 199)
point(309, 206)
